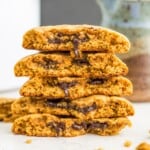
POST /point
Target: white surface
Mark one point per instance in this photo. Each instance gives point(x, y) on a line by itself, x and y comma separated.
point(139, 132)
point(16, 17)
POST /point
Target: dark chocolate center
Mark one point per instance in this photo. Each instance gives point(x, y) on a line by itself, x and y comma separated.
point(67, 105)
point(46, 63)
point(74, 38)
point(81, 62)
point(94, 125)
point(87, 109)
point(79, 126)
point(65, 86)
point(60, 126)
point(96, 81)
point(55, 103)
point(75, 42)
point(57, 126)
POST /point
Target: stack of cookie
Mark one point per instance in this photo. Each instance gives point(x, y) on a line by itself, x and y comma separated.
point(75, 82)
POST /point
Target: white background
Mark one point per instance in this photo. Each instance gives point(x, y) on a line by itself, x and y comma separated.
point(16, 17)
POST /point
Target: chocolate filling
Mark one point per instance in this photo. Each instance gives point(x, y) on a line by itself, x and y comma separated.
point(89, 126)
point(87, 109)
point(81, 62)
point(94, 125)
point(79, 126)
point(74, 38)
point(65, 86)
point(55, 41)
point(68, 105)
point(76, 42)
point(96, 81)
point(57, 126)
point(60, 126)
point(58, 103)
point(47, 63)
point(65, 116)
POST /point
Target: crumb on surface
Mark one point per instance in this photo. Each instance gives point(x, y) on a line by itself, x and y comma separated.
point(127, 143)
point(143, 146)
point(100, 148)
point(28, 141)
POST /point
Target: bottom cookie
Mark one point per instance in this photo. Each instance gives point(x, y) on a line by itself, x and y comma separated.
point(48, 125)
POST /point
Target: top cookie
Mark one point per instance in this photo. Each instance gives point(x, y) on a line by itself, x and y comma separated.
point(75, 38)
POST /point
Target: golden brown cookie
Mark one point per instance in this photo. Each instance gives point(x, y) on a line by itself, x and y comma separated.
point(48, 125)
point(143, 146)
point(75, 38)
point(73, 88)
point(11, 117)
point(5, 107)
point(96, 106)
point(62, 65)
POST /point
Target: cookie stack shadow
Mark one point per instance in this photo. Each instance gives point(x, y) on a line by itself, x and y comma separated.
point(76, 83)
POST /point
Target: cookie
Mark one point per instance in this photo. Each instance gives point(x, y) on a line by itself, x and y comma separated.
point(62, 65)
point(73, 88)
point(2, 116)
point(143, 146)
point(48, 125)
point(75, 38)
point(5, 107)
point(11, 117)
point(96, 106)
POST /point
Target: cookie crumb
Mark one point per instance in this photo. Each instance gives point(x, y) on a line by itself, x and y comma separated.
point(127, 143)
point(143, 146)
point(100, 148)
point(29, 141)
